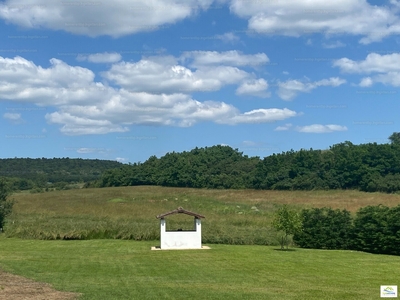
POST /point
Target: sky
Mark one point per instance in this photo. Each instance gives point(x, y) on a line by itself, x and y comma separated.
point(124, 80)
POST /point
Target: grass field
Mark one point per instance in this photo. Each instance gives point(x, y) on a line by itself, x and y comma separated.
point(116, 269)
point(104, 268)
point(232, 216)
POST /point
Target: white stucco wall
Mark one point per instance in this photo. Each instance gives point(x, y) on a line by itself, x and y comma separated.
point(181, 239)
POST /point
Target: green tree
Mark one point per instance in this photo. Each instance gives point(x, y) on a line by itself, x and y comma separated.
point(287, 221)
point(395, 138)
point(5, 205)
point(377, 230)
point(325, 228)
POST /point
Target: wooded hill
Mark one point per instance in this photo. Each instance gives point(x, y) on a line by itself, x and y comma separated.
point(28, 173)
point(367, 167)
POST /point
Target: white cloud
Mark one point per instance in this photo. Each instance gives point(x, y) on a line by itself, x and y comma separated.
point(260, 116)
point(100, 57)
point(283, 128)
point(366, 82)
point(228, 37)
point(289, 89)
point(337, 44)
point(299, 17)
point(73, 125)
point(391, 78)
point(95, 18)
point(13, 118)
point(373, 63)
point(121, 159)
point(83, 106)
point(22, 80)
point(318, 128)
point(230, 58)
point(255, 87)
point(155, 75)
point(387, 65)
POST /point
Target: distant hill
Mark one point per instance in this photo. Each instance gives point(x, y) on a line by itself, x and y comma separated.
point(367, 167)
point(25, 173)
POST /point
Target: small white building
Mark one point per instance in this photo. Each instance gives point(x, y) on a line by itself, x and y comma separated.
point(180, 239)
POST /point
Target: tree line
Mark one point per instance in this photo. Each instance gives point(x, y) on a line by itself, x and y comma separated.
point(368, 167)
point(28, 173)
point(373, 229)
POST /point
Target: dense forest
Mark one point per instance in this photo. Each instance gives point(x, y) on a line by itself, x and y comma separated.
point(368, 167)
point(28, 173)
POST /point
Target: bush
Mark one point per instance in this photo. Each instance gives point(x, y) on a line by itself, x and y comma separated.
point(325, 228)
point(377, 230)
point(5, 205)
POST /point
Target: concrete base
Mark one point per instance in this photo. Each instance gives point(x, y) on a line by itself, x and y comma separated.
point(202, 248)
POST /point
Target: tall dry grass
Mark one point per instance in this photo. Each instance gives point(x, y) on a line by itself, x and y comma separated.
point(232, 216)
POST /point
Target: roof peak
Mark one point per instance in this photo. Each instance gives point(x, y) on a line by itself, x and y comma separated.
point(180, 210)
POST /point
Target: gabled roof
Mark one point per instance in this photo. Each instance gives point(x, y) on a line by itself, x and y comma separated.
point(180, 210)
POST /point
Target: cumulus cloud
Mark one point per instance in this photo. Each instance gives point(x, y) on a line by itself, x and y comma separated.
point(318, 128)
point(255, 87)
point(73, 125)
point(155, 75)
point(366, 81)
point(299, 17)
point(260, 116)
point(100, 57)
point(228, 37)
point(96, 18)
point(289, 89)
point(121, 159)
point(83, 106)
point(388, 67)
point(284, 127)
point(13, 118)
point(230, 58)
point(373, 63)
point(22, 80)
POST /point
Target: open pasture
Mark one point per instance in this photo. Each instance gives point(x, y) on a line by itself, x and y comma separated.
point(232, 216)
point(116, 269)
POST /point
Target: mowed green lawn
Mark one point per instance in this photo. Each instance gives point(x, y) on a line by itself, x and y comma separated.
point(120, 269)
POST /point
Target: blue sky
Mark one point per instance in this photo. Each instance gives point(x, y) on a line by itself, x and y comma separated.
point(124, 80)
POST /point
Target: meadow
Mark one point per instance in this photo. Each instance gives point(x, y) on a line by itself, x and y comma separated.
point(117, 269)
point(96, 242)
point(232, 216)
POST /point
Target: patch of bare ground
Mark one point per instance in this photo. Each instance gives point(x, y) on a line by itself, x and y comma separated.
point(13, 287)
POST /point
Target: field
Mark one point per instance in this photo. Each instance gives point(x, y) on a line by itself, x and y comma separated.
point(232, 216)
point(116, 269)
point(115, 262)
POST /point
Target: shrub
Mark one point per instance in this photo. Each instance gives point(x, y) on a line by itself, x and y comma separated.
point(325, 228)
point(377, 230)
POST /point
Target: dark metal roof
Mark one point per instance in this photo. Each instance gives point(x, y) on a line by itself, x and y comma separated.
point(180, 210)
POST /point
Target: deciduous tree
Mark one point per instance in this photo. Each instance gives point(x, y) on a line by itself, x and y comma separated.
point(287, 221)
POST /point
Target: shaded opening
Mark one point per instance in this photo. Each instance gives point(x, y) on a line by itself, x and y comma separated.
point(180, 222)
